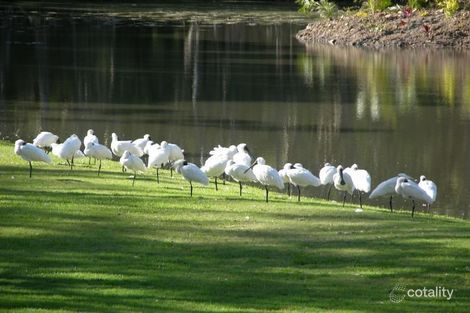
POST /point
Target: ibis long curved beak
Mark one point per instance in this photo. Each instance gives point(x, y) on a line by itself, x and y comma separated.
point(247, 150)
point(251, 166)
point(342, 182)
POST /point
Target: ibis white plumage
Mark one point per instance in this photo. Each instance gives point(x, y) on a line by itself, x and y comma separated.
point(240, 173)
point(266, 175)
point(158, 156)
point(99, 152)
point(243, 155)
point(343, 182)
point(326, 176)
point(132, 163)
point(191, 173)
point(410, 190)
point(90, 138)
point(67, 149)
point(361, 180)
point(118, 147)
point(429, 187)
point(285, 178)
point(30, 153)
point(45, 140)
point(387, 188)
point(228, 152)
point(142, 142)
point(214, 167)
point(301, 177)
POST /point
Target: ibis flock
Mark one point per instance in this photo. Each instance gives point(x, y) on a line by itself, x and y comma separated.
point(235, 162)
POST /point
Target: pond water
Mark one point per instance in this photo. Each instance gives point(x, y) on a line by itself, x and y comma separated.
point(187, 77)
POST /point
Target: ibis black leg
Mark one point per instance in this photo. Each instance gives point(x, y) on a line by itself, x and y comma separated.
point(216, 188)
point(329, 190)
point(390, 203)
point(191, 184)
point(223, 177)
point(298, 196)
point(288, 189)
point(99, 169)
point(71, 164)
point(158, 177)
point(30, 169)
point(360, 199)
point(240, 188)
point(171, 171)
point(413, 210)
point(344, 198)
point(267, 193)
point(133, 180)
point(89, 160)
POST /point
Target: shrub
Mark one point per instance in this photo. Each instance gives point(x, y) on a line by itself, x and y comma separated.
point(325, 8)
point(449, 6)
point(378, 5)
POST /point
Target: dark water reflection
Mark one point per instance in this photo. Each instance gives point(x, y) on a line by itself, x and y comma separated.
point(202, 85)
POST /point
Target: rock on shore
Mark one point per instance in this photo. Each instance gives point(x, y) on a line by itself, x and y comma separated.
point(393, 29)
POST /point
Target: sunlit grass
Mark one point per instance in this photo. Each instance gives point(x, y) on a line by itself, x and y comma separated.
point(73, 241)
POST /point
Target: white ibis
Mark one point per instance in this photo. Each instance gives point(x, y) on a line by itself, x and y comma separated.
point(191, 173)
point(90, 138)
point(176, 153)
point(30, 153)
point(361, 180)
point(343, 182)
point(67, 149)
point(240, 173)
point(142, 142)
point(410, 190)
point(301, 177)
point(45, 140)
point(387, 188)
point(158, 156)
point(326, 176)
point(214, 167)
point(285, 178)
point(266, 175)
point(429, 187)
point(132, 163)
point(99, 152)
point(118, 147)
point(243, 155)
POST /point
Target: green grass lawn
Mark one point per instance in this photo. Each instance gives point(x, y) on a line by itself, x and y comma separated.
point(72, 241)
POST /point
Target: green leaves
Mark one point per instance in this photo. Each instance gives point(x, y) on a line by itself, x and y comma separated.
point(324, 8)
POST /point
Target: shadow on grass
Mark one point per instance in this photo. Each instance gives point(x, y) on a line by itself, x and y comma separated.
point(106, 247)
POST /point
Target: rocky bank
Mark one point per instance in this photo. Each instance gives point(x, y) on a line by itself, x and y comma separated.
point(393, 29)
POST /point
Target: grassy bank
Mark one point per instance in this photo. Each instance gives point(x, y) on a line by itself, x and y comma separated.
point(78, 242)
